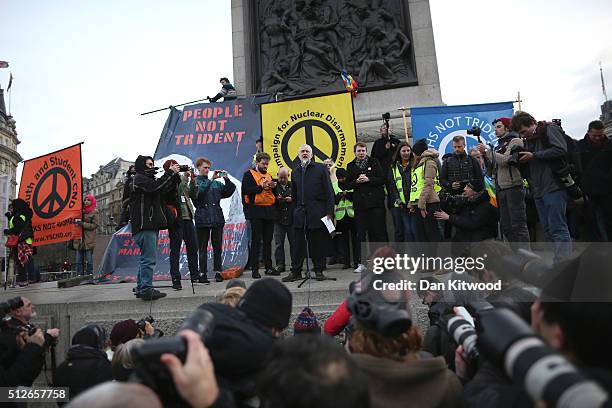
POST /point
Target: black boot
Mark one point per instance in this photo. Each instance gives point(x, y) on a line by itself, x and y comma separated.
point(256, 274)
point(176, 284)
point(218, 277)
point(292, 277)
point(201, 278)
point(319, 276)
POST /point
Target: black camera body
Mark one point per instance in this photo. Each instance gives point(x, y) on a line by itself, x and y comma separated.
point(386, 116)
point(474, 131)
point(453, 203)
point(141, 324)
point(153, 373)
point(184, 167)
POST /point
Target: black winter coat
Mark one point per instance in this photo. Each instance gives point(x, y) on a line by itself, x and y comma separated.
point(285, 210)
point(19, 367)
point(461, 168)
point(406, 183)
point(207, 201)
point(84, 367)
point(313, 195)
point(146, 207)
point(382, 154)
point(476, 221)
point(370, 194)
point(596, 179)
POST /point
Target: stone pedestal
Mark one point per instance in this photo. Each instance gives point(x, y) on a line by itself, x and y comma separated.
point(369, 106)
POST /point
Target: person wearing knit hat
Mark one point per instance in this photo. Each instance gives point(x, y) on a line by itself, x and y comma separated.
point(180, 214)
point(124, 331)
point(235, 283)
point(268, 302)
point(419, 147)
point(509, 189)
point(306, 323)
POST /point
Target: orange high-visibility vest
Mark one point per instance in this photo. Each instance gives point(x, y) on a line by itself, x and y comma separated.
point(266, 197)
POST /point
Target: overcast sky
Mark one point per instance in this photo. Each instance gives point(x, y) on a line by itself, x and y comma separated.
point(85, 70)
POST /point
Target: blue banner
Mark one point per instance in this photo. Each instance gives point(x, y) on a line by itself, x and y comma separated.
point(225, 133)
point(439, 124)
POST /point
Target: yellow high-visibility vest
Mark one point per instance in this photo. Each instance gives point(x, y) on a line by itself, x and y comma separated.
point(417, 183)
point(344, 206)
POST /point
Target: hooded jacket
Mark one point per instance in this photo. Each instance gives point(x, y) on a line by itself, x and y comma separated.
point(146, 211)
point(425, 383)
point(429, 159)
point(506, 176)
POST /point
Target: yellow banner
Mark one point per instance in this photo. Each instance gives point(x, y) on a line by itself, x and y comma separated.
point(326, 123)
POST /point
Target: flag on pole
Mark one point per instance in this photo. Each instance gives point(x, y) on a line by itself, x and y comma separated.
point(4, 64)
point(10, 82)
point(490, 187)
point(349, 83)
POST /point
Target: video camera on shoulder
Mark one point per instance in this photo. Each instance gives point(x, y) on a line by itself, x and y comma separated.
point(153, 373)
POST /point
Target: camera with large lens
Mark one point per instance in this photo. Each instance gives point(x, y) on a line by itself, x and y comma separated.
point(153, 373)
point(474, 131)
point(383, 316)
point(184, 167)
point(506, 340)
point(386, 116)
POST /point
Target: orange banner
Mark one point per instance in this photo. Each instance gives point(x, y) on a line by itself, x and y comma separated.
point(52, 186)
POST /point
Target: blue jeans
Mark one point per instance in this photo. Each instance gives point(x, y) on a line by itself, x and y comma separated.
point(551, 211)
point(147, 242)
point(88, 255)
point(404, 225)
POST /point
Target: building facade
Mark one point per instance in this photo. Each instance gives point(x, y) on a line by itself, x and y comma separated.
point(9, 158)
point(107, 186)
point(606, 118)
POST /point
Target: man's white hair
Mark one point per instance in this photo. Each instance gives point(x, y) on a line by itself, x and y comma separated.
point(305, 145)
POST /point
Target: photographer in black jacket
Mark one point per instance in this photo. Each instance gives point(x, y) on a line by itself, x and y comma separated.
point(147, 218)
point(22, 346)
point(476, 220)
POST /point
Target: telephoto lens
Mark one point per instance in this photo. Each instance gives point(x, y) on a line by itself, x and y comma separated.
point(507, 340)
point(464, 334)
point(153, 373)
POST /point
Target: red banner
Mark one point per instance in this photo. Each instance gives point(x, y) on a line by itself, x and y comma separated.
point(52, 186)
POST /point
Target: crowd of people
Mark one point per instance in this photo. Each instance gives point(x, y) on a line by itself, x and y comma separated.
point(371, 352)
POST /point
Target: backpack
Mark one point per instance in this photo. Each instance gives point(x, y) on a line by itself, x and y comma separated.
point(572, 157)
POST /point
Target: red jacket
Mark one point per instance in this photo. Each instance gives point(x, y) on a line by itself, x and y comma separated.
point(338, 320)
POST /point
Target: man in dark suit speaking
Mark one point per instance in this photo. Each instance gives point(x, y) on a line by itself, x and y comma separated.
point(314, 199)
